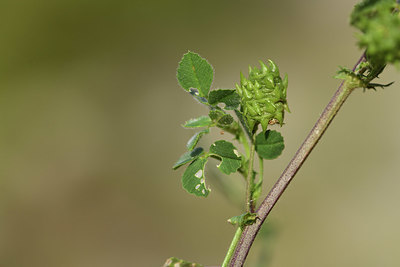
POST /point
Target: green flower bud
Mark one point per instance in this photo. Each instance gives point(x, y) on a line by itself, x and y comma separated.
point(263, 96)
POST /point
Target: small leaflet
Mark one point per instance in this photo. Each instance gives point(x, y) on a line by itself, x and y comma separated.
point(193, 179)
point(244, 219)
point(230, 157)
point(191, 144)
point(195, 72)
point(227, 96)
point(269, 145)
point(188, 157)
point(202, 121)
point(175, 262)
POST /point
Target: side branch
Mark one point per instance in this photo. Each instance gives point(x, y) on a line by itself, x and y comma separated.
point(250, 232)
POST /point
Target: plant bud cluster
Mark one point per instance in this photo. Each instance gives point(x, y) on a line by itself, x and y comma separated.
point(263, 96)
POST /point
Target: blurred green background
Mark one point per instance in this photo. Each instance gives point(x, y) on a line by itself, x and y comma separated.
point(90, 115)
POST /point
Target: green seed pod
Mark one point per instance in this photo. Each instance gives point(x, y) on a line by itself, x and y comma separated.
point(263, 96)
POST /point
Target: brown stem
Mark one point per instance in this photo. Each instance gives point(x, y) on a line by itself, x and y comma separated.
point(250, 232)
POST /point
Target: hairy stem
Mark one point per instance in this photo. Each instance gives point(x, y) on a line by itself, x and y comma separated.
point(250, 232)
point(232, 247)
point(250, 181)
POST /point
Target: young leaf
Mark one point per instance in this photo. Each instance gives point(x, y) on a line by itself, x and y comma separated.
point(244, 219)
point(202, 121)
point(193, 180)
point(195, 139)
point(229, 155)
point(227, 96)
point(188, 157)
point(269, 145)
point(220, 118)
point(195, 72)
point(225, 120)
point(175, 262)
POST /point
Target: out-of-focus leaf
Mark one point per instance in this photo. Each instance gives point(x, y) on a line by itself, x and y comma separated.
point(175, 262)
point(202, 121)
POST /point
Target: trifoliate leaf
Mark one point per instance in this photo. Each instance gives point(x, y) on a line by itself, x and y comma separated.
point(230, 157)
point(195, 72)
point(193, 179)
point(175, 262)
point(188, 157)
point(202, 121)
point(244, 219)
point(227, 96)
point(269, 145)
point(195, 139)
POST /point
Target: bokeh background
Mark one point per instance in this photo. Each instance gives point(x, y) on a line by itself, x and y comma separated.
point(90, 115)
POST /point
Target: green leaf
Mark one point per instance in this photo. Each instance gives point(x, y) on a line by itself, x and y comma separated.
point(225, 120)
point(227, 96)
point(193, 179)
point(188, 157)
point(175, 262)
point(195, 72)
point(202, 121)
point(269, 145)
point(244, 219)
point(229, 155)
point(220, 118)
point(195, 139)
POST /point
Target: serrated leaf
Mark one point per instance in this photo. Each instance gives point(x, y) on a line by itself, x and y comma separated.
point(195, 139)
point(227, 96)
point(193, 179)
point(269, 145)
point(195, 72)
point(202, 121)
point(175, 262)
point(230, 157)
point(244, 219)
point(188, 157)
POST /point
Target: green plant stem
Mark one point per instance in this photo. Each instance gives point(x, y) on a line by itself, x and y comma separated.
point(232, 247)
point(260, 175)
point(250, 231)
point(250, 182)
point(243, 140)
